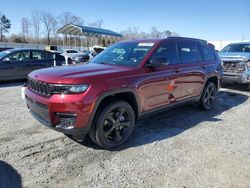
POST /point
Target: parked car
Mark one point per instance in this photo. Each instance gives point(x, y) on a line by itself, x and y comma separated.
point(18, 63)
point(82, 58)
point(125, 82)
point(70, 53)
point(236, 63)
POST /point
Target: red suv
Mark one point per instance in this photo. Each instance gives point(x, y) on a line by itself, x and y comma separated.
point(125, 82)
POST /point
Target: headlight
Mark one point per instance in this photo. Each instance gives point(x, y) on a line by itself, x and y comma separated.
point(248, 63)
point(70, 89)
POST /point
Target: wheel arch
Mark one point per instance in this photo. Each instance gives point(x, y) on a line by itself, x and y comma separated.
point(128, 95)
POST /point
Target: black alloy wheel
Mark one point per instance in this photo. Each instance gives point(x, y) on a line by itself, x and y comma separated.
point(114, 125)
point(208, 96)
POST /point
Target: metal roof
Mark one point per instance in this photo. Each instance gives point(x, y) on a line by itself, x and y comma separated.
point(71, 29)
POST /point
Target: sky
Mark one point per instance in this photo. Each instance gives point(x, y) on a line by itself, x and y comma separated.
point(205, 19)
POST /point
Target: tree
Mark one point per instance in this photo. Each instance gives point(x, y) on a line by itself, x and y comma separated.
point(25, 24)
point(98, 23)
point(4, 26)
point(36, 24)
point(168, 33)
point(49, 22)
point(69, 18)
point(154, 32)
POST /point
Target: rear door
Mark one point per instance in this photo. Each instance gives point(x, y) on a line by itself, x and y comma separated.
point(40, 59)
point(192, 71)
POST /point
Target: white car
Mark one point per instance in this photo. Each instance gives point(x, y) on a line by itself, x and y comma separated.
point(70, 52)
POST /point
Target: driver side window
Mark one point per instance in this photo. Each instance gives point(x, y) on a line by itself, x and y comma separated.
point(167, 51)
point(18, 56)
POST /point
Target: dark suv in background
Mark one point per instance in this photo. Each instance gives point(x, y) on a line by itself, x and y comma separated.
point(18, 63)
point(125, 82)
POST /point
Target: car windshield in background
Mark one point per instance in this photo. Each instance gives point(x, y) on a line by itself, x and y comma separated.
point(3, 54)
point(237, 48)
point(124, 54)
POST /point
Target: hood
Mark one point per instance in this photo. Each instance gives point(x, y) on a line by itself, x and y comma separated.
point(74, 73)
point(234, 56)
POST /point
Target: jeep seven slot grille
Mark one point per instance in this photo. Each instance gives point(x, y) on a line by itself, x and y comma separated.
point(41, 88)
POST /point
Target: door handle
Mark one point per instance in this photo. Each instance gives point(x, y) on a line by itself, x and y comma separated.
point(177, 70)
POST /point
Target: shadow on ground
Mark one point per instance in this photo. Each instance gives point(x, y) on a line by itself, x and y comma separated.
point(173, 122)
point(4, 84)
point(239, 87)
point(9, 177)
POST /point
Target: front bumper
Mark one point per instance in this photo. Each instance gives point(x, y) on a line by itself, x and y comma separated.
point(236, 78)
point(48, 112)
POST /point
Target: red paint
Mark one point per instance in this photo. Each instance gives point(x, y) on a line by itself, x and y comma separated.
point(155, 87)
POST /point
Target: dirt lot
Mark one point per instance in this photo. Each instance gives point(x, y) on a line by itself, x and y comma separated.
point(184, 147)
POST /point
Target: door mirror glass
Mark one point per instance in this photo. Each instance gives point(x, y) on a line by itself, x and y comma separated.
point(157, 62)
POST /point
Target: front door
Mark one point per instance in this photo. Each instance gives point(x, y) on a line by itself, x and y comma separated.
point(160, 86)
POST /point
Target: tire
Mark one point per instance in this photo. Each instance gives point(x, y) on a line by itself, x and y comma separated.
point(223, 85)
point(248, 87)
point(208, 96)
point(113, 125)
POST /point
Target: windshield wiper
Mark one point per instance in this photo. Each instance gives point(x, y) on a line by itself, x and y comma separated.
point(106, 63)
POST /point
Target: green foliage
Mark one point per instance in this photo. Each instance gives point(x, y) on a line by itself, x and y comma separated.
point(4, 26)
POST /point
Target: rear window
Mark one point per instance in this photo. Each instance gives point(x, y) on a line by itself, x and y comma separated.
point(207, 53)
point(41, 55)
point(188, 52)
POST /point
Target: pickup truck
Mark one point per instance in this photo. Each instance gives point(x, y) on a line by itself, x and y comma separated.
point(236, 63)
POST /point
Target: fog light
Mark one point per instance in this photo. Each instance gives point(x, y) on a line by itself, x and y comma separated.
point(66, 121)
point(248, 77)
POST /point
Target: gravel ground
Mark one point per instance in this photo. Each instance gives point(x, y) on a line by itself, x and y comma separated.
point(184, 147)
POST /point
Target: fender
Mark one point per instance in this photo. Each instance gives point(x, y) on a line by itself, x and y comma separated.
point(110, 93)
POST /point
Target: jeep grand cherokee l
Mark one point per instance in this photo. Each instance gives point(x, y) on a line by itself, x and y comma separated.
point(236, 63)
point(123, 83)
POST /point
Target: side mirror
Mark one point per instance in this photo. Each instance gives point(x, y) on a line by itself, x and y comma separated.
point(157, 62)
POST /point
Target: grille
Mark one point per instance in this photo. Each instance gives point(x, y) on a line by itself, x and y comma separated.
point(234, 67)
point(38, 109)
point(41, 88)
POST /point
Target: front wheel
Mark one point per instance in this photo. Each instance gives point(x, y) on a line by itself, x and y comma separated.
point(208, 96)
point(114, 125)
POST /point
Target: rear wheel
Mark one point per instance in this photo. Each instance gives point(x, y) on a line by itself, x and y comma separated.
point(114, 124)
point(208, 96)
point(248, 87)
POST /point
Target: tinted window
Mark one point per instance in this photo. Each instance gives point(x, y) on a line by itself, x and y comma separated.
point(168, 52)
point(71, 51)
point(188, 52)
point(37, 55)
point(42, 55)
point(19, 56)
point(207, 53)
point(48, 55)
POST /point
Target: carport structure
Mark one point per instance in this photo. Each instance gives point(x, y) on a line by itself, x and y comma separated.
point(85, 31)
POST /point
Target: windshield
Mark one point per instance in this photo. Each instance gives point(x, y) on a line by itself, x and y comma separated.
point(3, 54)
point(237, 48)
point(124, 53)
